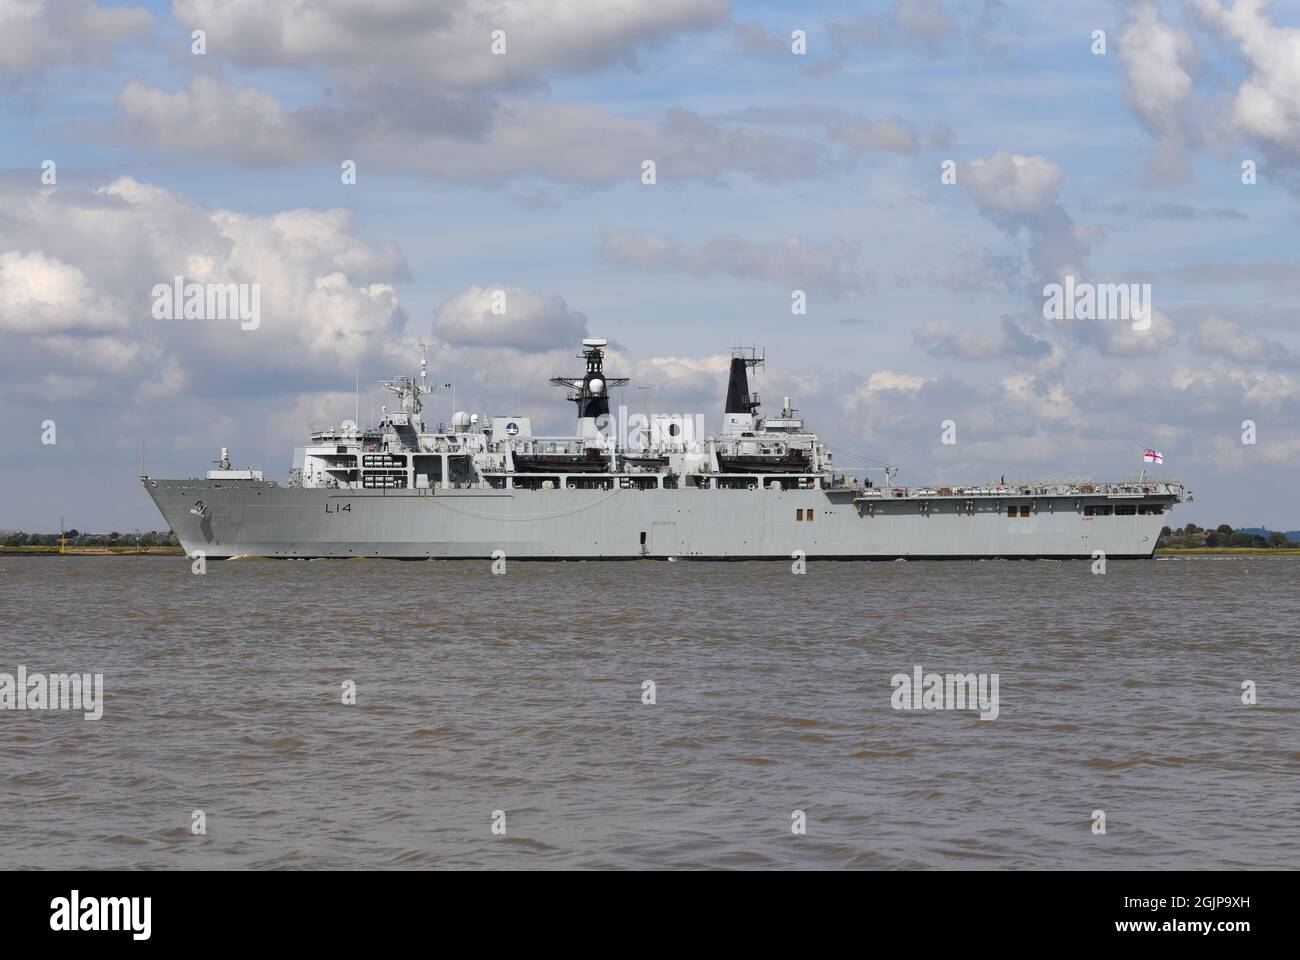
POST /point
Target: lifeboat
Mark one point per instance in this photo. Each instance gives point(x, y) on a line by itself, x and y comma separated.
point(794, 461)
point(592, 460)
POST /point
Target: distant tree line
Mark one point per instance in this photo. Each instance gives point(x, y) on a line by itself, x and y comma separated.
point(1222, 536)
point(153, 538)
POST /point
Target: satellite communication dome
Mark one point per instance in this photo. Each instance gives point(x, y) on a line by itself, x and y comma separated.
point(596, 386)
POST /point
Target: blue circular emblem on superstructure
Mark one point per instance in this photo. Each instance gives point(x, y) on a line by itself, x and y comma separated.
point(512, 428)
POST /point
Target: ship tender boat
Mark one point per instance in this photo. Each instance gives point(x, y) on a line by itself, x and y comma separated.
point(644, 486)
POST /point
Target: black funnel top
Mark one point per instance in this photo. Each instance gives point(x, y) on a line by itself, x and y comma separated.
point(738, 387)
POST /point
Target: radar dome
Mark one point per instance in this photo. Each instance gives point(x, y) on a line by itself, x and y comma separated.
point(596, 386)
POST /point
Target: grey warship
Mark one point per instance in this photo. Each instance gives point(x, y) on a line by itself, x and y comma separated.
point(651, 486)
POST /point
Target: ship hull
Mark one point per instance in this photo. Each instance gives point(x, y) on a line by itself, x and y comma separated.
point(264, 519)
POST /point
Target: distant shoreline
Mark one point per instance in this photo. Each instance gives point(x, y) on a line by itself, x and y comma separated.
point(96, 551)
point(1268, 551)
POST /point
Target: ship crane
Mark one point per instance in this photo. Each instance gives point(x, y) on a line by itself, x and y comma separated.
point(890, 470)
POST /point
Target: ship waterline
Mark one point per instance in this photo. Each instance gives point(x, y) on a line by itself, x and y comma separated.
point(764, 488)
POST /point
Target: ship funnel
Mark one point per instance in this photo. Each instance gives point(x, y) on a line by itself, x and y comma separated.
point(739, 399)
point(738, 387)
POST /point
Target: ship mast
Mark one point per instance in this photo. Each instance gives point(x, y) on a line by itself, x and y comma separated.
point(591, 391)
point(410, 391)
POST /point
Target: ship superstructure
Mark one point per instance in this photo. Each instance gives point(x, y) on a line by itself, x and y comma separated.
point(629, 486)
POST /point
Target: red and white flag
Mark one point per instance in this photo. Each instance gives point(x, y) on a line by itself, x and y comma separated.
point(1153, 456)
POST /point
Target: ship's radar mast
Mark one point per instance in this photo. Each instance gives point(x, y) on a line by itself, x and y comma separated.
point(410, 390)
point(591, 391)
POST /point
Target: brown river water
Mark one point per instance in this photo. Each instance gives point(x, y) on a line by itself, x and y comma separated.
point(523, 693)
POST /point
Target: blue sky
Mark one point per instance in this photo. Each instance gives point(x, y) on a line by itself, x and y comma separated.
point(522, 172)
